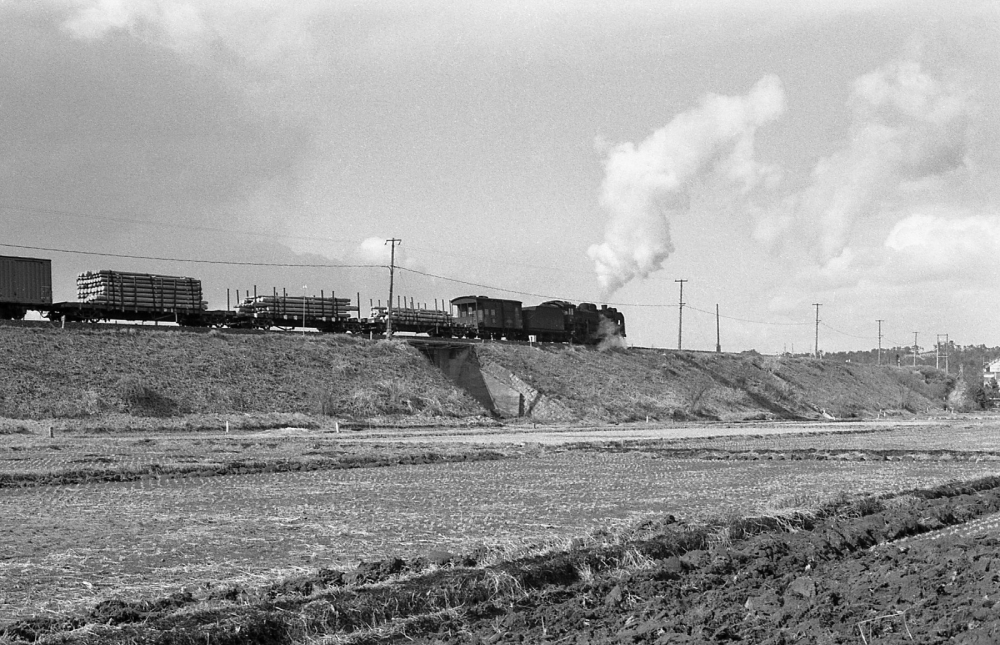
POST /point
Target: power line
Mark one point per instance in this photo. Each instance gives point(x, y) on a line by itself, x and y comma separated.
point(193, 261)
point(170, 225)
point(270, 236)
point(747, 320)
point(422, 273)
point(526, 293)
point(844, 333)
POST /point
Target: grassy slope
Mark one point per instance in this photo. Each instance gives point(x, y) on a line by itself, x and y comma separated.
point(629, 386)
point(63, 373)
point(53, 373)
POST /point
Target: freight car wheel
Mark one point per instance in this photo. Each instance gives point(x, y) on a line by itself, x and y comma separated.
point(12, 313)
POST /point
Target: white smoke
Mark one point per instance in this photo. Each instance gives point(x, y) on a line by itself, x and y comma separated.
point(173, 23)
point(644, 184)
point(610, 336)
point(907, 127)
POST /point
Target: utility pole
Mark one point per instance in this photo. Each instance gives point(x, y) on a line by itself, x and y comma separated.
point(937, 358)
point(817, 305)
point(392, 274)
point(718, 336)
point(680, 314)
point(880, 321)
point(915, 349)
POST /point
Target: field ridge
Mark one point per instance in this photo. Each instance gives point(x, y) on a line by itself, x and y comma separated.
point(770, 579)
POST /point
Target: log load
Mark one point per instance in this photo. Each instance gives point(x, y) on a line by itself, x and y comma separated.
point(412, 316)
point(140, 291)
point(295, 306)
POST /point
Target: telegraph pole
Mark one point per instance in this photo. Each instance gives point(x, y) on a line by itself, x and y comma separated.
point(880, 321)
point(937, 358)
point(680, 313)
point(817, 305)
point(718, 336)
point(392, 274)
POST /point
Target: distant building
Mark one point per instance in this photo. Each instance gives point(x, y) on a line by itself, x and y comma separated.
point(991, 372)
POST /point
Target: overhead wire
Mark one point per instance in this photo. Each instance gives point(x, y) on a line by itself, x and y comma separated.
point(747, 320)
point(528, 293)
point(427, 274)
point(171, 225)
point(196, 261)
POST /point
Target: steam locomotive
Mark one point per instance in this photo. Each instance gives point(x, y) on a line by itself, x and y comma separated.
point(104, 296)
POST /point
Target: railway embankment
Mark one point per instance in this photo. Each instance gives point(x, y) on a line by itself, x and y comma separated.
point(137, 377)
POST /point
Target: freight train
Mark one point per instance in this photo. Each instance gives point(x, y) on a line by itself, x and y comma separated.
point(104, 296)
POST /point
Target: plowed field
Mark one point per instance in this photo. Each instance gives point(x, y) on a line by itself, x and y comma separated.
point(165, 548)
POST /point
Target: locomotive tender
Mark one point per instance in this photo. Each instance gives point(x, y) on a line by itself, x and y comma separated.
point(26, 285)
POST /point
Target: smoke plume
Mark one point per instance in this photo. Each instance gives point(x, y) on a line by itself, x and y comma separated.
point(610, 336)
point(908, 127)
point(645, 184)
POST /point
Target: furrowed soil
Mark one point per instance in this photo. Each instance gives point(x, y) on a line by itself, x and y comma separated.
point(170, 487)
point(916, 566)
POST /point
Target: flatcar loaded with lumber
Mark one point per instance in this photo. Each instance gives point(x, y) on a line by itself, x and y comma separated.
point(121, 295)
point(433, 322)
point(284, 311)
point(138, 291)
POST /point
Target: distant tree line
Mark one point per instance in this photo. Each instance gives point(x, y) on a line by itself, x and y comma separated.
point(964, 362)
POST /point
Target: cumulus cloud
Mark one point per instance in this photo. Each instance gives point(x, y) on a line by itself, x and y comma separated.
point(644, 184)
point(925, 247)
point(909, 129)
point(174, 23)
point(374, 250)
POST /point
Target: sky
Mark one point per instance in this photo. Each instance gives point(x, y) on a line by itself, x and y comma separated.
point(774, 155)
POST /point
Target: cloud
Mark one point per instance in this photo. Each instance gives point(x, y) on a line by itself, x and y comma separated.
point(645, 183)
point(374, 250)
point(172, 23)
point(909, 129)
point(924, 247)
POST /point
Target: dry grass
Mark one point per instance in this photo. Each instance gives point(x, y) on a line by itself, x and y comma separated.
point(658, 385)
point(76, 374)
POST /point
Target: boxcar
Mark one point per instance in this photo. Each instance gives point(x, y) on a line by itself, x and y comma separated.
point(485, 317)
point(25, 283)
point(546, 322)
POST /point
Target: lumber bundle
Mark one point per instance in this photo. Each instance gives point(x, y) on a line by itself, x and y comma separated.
point(413, 316)
point(139, 291)
point(296, 307)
